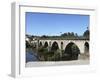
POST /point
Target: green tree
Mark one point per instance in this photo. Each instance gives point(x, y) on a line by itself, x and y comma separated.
point(75, 52)
point(86, 34)
point(27, 44)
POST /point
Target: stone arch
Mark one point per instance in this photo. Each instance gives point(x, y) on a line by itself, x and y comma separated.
point(40, 44)
point(86, 47)
point(45, 44)
point(62, 45)
point(54, 46)
point(71, 51)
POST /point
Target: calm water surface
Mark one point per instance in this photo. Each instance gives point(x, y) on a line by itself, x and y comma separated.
point(31, 56)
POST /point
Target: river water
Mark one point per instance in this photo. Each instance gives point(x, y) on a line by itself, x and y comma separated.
point(31, 56)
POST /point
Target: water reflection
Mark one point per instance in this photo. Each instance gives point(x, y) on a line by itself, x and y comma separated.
point(31, 55)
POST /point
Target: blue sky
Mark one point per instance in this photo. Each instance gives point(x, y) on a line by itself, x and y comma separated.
point(53, 24)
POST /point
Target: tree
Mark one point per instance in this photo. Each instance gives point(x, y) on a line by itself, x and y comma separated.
point(76, 34)
point(44, 36)
point(68, 34)
point(86, 34)
point(64, 34)
point(75, 52)
point(72, 34)
point(27, 44)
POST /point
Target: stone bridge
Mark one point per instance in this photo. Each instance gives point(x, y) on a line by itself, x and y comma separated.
point(83, 45)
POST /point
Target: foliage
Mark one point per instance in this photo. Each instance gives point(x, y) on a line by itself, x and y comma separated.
point(28, 44)
point(71, 52)
point(66, 35)
point(86, 34)
point(75, 52)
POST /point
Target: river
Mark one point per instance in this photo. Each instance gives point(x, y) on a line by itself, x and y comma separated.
point(31, 56)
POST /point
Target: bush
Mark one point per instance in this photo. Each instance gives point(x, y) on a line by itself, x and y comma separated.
point(27, 44)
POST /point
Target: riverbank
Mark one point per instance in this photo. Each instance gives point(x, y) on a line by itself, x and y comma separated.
point(57, 63)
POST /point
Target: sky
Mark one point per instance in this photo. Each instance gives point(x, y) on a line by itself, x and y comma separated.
point(54, 24)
